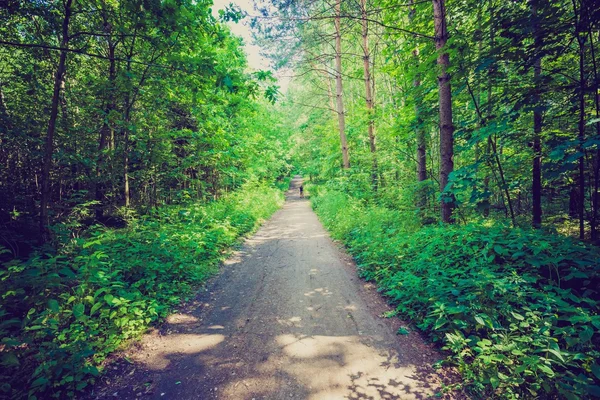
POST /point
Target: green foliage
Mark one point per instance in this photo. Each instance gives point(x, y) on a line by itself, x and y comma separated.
point(518, 309)
point(62, 314)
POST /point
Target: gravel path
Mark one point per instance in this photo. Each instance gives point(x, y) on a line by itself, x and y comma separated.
point(287, 318)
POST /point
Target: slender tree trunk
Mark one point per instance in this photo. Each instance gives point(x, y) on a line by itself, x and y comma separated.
point(330, 95)
point(3, 110)
point(596, 91)
point(49, 146)
point(581, 136)
point(419, 131)
point(580, 24)
point(126, 192)
point(128, 104)
point(368, 92)
point(107, 130)
point(536, 187)
point(338, 81)
point(445, 96)
point(489, 107)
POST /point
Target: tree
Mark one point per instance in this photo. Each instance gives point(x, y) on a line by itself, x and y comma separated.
point(445, 107)
point(368, 90)
point(338, 85)
point(59, 77)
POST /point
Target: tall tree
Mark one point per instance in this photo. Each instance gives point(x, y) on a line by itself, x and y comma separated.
point(59, 77)
point(445, 108)
point(339, 86)
point(368, 91)
point(536, 186)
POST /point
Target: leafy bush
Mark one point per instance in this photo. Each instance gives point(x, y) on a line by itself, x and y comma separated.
point(518, 309)
point(62, 314)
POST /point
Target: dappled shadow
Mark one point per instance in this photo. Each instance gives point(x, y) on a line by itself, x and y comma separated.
point(283, 320)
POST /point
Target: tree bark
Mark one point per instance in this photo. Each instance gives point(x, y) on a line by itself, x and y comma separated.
point(338, 81)
point(107, 131)
point(580, 22)
point(419, 131)
point(596, 91)
point(445, 106)
point(536, 186)
point(49, 145)
point(369, 93)
point(581, 137)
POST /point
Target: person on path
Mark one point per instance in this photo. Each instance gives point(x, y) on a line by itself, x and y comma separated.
point(301, 191)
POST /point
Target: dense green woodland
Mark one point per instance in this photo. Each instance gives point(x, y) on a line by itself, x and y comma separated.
point(452, 146)
point(137, 115)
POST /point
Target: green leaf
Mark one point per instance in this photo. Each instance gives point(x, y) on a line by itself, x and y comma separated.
point(9, 359)
point(402, 331)
point(499, 250)
point(546, 369)
point(91, 243)
point(479, 320)
point(494, 381)
point(67, 272)
point(95, 307)
point(41, 381)
point(518, 317)
point(78, 310)
point(557, 354)
point(596, 370)
point(109, 298)
point(586, 334)
point(53, 306)
point(484, 319)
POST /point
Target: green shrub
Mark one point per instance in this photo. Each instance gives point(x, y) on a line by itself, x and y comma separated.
point(62, 314)
point(518, 309)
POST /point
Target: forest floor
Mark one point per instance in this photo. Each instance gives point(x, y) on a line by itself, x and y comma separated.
point(287, 317)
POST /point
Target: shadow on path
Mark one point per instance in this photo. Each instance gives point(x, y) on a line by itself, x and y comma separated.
point(286, 318)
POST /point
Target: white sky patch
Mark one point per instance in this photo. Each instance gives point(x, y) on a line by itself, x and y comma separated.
point(255, 61)
point(242, 29)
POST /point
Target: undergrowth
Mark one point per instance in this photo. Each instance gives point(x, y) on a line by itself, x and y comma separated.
point(62, 314)
point(518, 309)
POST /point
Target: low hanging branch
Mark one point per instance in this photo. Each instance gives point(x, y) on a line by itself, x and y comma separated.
point(77, 51)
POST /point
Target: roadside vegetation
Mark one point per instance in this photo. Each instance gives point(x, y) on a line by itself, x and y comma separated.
point(136, 146)
point(63, 313)
point(516, 308)
point(454, 147)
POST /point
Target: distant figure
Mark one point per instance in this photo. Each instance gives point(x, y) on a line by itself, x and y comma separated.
point(301, 191)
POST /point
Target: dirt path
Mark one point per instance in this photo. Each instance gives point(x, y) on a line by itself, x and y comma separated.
point(287, 318)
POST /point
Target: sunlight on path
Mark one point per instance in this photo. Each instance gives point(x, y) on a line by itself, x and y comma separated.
point(287, 318)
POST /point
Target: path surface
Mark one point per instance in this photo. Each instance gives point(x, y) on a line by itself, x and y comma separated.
point(287, 318)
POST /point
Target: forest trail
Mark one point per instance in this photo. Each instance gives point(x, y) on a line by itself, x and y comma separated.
point(286, 318)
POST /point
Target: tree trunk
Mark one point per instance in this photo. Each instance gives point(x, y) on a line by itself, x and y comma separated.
point(369, 93)
point(419, 131)
point(107, 130)
point(489, 109)
point(445, 98)
point(126, 192)
point(338, 81)
point(49, 145)
point(128, 104)
point(536, 186)
point(596, 91)
point(581, 137)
